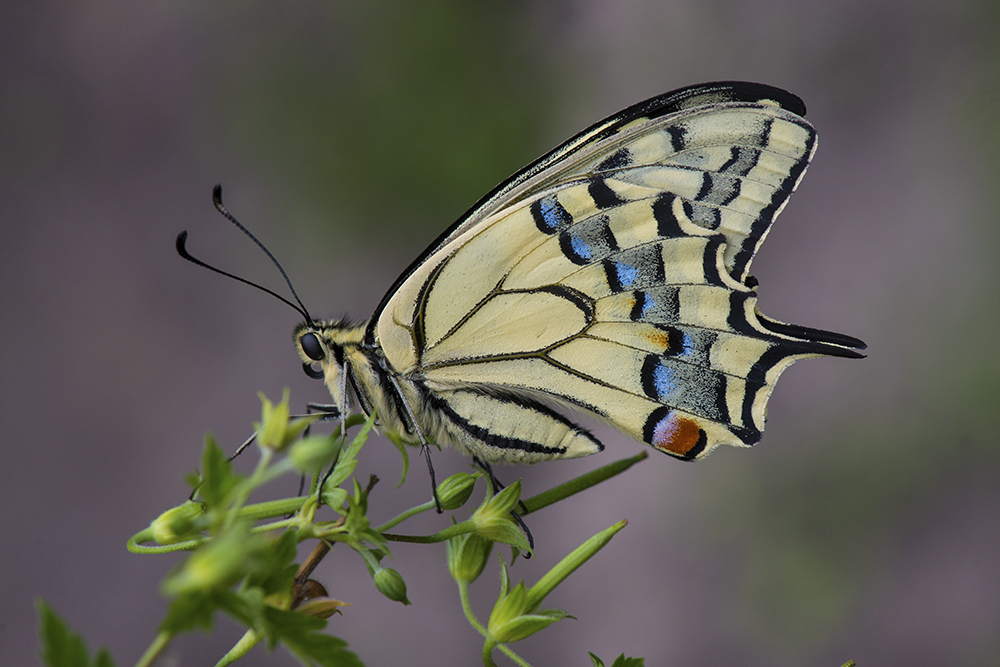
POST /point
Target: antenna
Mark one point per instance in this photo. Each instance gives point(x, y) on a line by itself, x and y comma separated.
point(182, 251)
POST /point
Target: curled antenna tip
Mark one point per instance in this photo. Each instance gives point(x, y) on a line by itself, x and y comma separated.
point(181, 242)
point(217, 199)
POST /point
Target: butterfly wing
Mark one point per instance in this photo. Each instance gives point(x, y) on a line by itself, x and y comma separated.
point(611, 275)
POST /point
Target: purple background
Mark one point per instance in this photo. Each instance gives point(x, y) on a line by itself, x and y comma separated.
point(864, 526)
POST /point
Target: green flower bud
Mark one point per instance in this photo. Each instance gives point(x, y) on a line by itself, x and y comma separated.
point(500, 505)
point(526, 625)
point(273, 422)
point(502, 529)
point(322, 607)
point(508, 607)
point(274, 430)
point(390, 584)
point(492, 518)
point(453, 492)
point(312, 453)
point(177, 524)
point(467, 555)
point(220, 563)
point(511, 620)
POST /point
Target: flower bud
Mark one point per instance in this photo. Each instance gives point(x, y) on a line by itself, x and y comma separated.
point(177, 524)
point(275, 431)
point(467, 555)
point(509, 621)
point(390, 584)
point(492, 518)
point(526, 625)
point(453, 492)
point(312, 453)
point(220, 563)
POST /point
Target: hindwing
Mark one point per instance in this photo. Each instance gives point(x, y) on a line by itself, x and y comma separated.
point(611, 276)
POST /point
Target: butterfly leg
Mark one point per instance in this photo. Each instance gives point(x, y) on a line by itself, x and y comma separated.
point(425, 448)
point(329, 412)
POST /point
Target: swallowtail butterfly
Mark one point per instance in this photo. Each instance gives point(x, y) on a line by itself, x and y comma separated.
point(610, 276)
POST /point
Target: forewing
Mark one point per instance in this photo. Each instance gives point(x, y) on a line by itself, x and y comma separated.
point(611, 276)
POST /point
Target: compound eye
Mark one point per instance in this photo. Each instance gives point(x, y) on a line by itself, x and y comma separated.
point(311, 346)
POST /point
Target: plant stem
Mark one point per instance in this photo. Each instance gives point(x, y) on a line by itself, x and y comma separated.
point(451, 531)
point(463, 593)
point(248, 485)
point(155, 649)
point(581, 483)
point(249, 639)
point(400, 518)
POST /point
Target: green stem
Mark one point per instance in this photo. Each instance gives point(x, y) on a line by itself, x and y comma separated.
point(413, 511)
point(488, 647)
point(513, 656)
point(249, 639)
point(248, 485)
point(271, 508)
point(370, 561)
point(134, 544)
point(155, 649)
point(463, 594)
point(451, 531)
point(581, 483)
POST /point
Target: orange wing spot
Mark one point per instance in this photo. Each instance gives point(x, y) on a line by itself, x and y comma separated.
point(676, 435)
point(661, 339)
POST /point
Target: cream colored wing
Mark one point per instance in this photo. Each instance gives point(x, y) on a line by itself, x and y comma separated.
point(612, 276)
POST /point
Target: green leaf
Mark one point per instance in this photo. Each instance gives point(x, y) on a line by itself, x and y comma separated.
point(620, 661)
point(300, 635)
point(401, 446)
point(348, 460)
point(314, 452)
point(218, 479)
point(189, 611)
point(220, 562)
point(61, 647)
point(275, 571)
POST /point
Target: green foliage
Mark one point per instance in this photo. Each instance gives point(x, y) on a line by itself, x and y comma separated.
point(241, 560)
point(620, 661)
point(61, 647)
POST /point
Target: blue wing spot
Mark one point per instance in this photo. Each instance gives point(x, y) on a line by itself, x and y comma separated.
point(648, 305)
point(626, 274)
point(663, 380)
point(688, 345)
point(658, 380)
point(549, 215)
point(581, 248)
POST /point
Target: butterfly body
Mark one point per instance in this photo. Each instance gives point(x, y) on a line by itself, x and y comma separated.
point(609, 277)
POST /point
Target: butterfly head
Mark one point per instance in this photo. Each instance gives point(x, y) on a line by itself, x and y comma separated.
point(330, 346)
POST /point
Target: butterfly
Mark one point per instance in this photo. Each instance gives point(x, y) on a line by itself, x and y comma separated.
point(608, 277)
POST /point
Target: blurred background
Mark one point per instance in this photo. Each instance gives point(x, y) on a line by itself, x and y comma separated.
point(347, 136)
